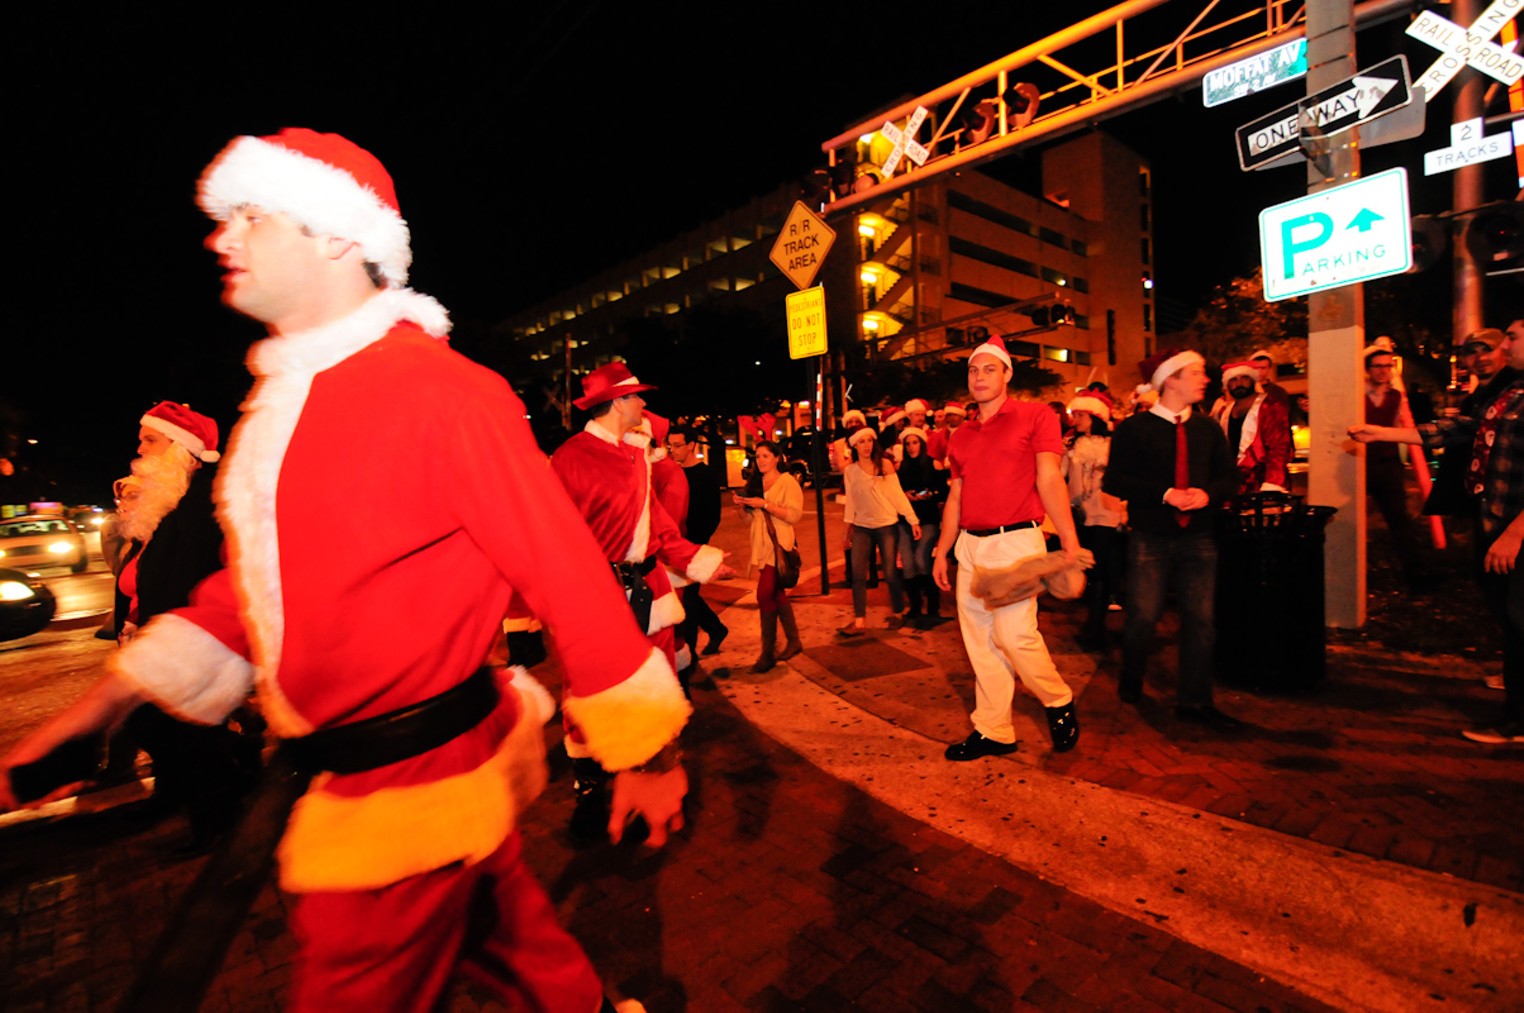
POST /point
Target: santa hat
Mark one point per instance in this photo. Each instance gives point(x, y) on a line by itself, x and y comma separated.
point(1261, 354)
point(657, 426)
point(1157, 367)
point(864, 435)
point(915, 431)
point(322, 181)
point(853, 415)
point(915, 404)
point(195, 432)
point(895, 415)
point(953, 408)
point(608, 382)
point(994, 346)
point(1097, 406)
point(1241, 368)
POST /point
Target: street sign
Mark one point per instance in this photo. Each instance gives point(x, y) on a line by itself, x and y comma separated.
point(802, 245)
point(1335, 237)
point(1268, 69)
point(1367, 95)
point(1276, 138)
point(904, 142)
point(1468, 146)
point(806, 322)
point(1461, 46)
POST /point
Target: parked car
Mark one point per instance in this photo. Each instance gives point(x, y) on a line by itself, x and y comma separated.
point(26, 605)
point(36, 540)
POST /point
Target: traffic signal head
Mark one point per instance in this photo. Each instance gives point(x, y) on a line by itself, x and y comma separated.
point(1495, 238)
point(1431, 240)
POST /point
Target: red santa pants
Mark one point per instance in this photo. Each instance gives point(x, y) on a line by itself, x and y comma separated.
point(395, 948)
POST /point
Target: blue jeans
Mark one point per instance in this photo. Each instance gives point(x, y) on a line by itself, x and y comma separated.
point(863, 540)
point(916, 556)
point(1186, 564)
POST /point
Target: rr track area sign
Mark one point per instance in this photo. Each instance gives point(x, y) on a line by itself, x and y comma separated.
point(1335, 237)
point(802, 245)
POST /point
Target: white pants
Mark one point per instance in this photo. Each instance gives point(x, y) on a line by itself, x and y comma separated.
point(1004, 643)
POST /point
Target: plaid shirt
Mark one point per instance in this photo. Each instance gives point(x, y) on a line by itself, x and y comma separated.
point(1503, 490)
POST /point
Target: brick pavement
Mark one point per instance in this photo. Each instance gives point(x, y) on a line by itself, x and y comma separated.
point(789, 890)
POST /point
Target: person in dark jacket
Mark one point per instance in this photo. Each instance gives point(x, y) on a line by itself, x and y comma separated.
point(175, 543)
point(926, 487)
point(703, 519)
point(1172, 465)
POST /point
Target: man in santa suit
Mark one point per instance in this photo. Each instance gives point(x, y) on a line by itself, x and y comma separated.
point(607, 472)
point(358, 403)
point(1258, 431)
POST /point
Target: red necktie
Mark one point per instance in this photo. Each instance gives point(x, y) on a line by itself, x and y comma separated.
point(1182, 467)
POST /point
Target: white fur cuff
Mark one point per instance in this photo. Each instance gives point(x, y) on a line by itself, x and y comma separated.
point(707, 560)
point(185, 670)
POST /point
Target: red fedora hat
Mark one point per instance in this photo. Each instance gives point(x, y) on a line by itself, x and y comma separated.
point(608, 382)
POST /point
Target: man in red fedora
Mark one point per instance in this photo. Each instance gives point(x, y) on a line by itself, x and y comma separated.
point(607, 472)
point(369, 661)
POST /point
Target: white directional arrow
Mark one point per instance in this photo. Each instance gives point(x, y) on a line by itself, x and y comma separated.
point(1364, 95)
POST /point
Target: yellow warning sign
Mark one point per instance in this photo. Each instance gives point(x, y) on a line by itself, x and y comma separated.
point(802, 245)
point(806, 322)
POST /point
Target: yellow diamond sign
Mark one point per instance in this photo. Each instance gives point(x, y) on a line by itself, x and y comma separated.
point(802, 245)
point(806, 322)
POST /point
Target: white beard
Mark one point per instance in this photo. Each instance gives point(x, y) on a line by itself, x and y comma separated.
point(163, 480)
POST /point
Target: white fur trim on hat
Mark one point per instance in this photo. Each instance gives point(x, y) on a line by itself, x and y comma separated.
point(853, 415)
point(990, 348)
point(894, 416)
point(1094, 405)
point(865, 433)
point(1261, 353)
point(187, 439)
point(1234, 369)
point(1174, 364)
point(324, 198)
point(915, 404)
point(915, 431)
point(955, 409)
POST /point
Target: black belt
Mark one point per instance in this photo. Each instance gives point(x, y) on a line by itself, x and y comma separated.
point(397, 735)
point(189, 951)
point(632, 577)
point(986, 532)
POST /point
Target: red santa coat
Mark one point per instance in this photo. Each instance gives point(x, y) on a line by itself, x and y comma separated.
point(383, 498)
point(610, 483)
point(1264, 447)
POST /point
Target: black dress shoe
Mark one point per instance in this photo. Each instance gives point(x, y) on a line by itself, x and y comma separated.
point(1063, 726)
point(977, 745)
point(1209, 717)
point(713, 647)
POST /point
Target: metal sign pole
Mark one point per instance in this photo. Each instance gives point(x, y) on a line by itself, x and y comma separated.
point(814, 371)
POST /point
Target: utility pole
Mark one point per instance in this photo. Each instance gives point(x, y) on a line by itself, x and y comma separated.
point(1470, 89)
point(1335, 338)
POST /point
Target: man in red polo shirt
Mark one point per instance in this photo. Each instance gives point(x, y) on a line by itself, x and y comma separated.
point(1005, 477)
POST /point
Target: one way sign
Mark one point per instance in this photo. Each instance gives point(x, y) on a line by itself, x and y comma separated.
point(1366, 96)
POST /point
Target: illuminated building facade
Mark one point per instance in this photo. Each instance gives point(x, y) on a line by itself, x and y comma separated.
point(1066, 276)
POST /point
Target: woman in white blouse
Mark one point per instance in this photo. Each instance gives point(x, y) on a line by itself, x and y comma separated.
point(772, 493)
point(875, 504)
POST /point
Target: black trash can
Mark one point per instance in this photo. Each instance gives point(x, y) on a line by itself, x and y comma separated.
point(1270, 626)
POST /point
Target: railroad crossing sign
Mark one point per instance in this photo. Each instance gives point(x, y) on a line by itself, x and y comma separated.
point(1461, 46)
point(802, 245)
point(1368, 95)
point(1468, 146)
point(905, 142)
point(806, 322)
point(1335, 237)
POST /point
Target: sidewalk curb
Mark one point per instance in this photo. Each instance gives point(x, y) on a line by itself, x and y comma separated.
point(1350, 930)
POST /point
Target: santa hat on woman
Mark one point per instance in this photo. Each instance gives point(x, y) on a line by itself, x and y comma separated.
point(1095, 403)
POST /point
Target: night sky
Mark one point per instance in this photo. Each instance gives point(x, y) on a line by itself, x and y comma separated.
point(530, 150)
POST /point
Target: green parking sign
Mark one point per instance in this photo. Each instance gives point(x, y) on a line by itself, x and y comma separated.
point(1340, 236)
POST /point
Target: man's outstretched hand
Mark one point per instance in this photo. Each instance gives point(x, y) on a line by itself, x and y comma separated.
point(658, 798)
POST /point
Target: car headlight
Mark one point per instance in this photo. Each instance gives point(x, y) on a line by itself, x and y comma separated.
point(14, 590)
point(97, 520)
point(61, 548)
point(2, 553)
